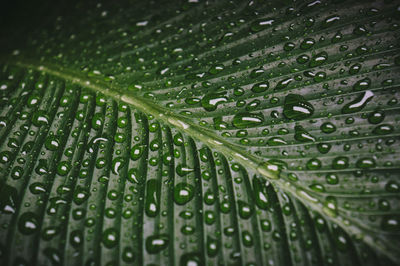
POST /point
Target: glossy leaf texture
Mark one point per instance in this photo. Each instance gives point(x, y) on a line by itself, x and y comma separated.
point(203, 133)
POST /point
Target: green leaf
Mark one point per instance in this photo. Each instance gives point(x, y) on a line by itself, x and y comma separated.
point(202, 133)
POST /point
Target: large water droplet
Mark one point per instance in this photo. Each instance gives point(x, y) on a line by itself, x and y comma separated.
point(28, 223)
point(110, 237)
point(183, 193)
point(296, 107)
point(246, 120)
point(156, 243)
point(211, 101)
point(152, 202)
point(245, 209)
point(359, 103)
point(8, 199)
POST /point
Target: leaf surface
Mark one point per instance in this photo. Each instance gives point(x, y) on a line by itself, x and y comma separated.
point(207, 133)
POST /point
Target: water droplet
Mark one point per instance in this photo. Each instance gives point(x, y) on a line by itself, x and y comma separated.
point(332, 179)
point(97, 121)
point(186, 215)
point(296, 107)
point(391, 223)
point(133, 175)
point(247, 238)
point(313, 164)
point(362, 84)
point(183, 193)
point(354, 69)
point(324, 147)
point(128, 255)
point(260, 87)
point(330, 206)
point(110, 237)
point(49, 232)
point(246, 120)
point(37, 188)
point(211, 101)
point(63, 168)
point(117, 164)
point(376, 117)
point(152, 202)
point(260, 195)
point(262, 24)
point(328, 128)
point(137, 151)
point(340, 162)
point(307, 43)
point(365, 163)
point(156, 243)
point(52, 143)
point(40, 118)
point(225, 206)
point(76, 238)
point(392, 187)
point(318, 59)
point(245, 209)
point(276, 141)
point(215, 69)
point(53, 255)
point(383, 129)
point(283, 84)
point(329, 21)
point(187, 230)
point(256, 73)
point(28, 223)
point(358, 104)
point(212, 246)
point(8, 199)
point(80, 195)
point(266, 225)
point(317, 187)
point(302, 135)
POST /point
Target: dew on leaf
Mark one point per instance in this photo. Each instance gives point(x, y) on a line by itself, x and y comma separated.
point(40, 118)
point(28, 223)
point(313, 164)
point(262, 24)
point(152, 201)
point(247, 238)
point(383, 129)
point(211, 101)
point(183, 193)
point(376, 117)
point(328, 128)
point(8, 199)
point(340, 162)
point(362, 84)
point(260, 87)
point(212, 247)
point(359, 103)
point(283, 84)
point(302, 135)
point(110, 238)
point(156, 243)
point(137, 151)
point(365, 162)
point(318, 59)
point(246, 120)
point(296, 107)
point(245, 209)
